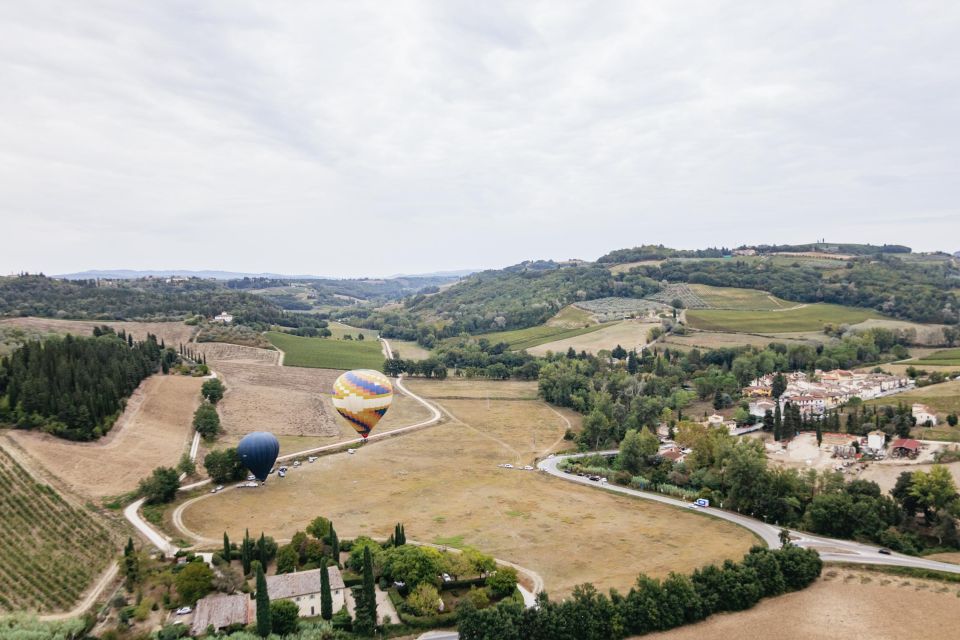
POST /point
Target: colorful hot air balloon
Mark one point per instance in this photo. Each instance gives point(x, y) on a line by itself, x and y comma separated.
point(258, 451)
point(362, 397)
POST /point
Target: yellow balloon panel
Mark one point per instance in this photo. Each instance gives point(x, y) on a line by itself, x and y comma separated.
point(362, 397)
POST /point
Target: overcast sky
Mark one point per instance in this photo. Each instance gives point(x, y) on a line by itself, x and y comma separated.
point(371, 138)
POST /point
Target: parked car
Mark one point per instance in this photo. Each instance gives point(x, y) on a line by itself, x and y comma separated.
point(508, 466)
point(351, 451)
point(182, 611)
point(296, 463)
point(447, 578)
point(528, 468)
point(251, 477)
point(884, 551)
point(312, 459)
point(283, 469)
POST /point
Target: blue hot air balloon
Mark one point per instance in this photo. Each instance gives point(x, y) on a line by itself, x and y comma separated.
point(258, 451)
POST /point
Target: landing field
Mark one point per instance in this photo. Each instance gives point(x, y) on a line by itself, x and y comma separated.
point(328, 353)
point(443, 483)
point(154, 430)
point(629, 334)
point(809, 317)
point(844, 603)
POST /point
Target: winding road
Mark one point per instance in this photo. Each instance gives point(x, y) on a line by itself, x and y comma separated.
point(830, 549)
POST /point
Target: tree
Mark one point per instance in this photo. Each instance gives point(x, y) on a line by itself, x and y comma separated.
point(224, 466)
point(784, 537)
point(229, 580)
point(287, 559)
point(952, 419)
point(227, 554)
point(213, 390)
point(778, 386)
point(482, 563)
point(777, 423)
point(503, 582)
point(284, 617)
point(131, 565)
point(334, 546)
point(319, 528)
point(206, 421)
point(246, 553)
point(934, 490)
point(186, 465)
point(194, 582)
point(632, 456)
point(768, 420)
point(161, 486)
point(424, 600)
point(366, 599)
point(264, 625)
point(819, 433)
point(413, 565)
point(326, 598)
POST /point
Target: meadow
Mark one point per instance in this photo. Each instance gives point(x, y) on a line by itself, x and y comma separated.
point(944, 357)
point(520, 339)
point(328, 353)
point(445, 485)
point(807, 317)
point(943, 398)
point(50, 549)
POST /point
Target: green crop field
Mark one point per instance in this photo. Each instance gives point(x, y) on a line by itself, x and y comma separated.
point(739, 299)
point(328, 353)
point(50, 550)
point(531, 337)
point(944, 357)
point(811, 317)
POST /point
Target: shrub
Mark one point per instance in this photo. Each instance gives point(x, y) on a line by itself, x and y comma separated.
point(424, 600)
point(503, 582)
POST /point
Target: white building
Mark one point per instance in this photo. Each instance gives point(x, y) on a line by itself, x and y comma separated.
point(876, 440)
point(224, 317)
point(923, 414)
point(304, 588)
point(759, 408)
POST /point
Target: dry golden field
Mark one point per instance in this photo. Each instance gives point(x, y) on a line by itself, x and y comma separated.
point(460, 388)
point(844, 603)
point(716, 340)
point(153, 431)
point(173, 333)
point(629, 334)
point(445, 485)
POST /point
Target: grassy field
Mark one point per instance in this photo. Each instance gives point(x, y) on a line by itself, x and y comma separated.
point(443, 483)
point(742, 299)
point(844, 603)
point(154, 430)
point(50, 550)
point(571, 317)
point(409, 350)
point(943, 398)
point(944, 357)
point(328, 353)
point(173, 333)
point(810, 317)
point(629, 334)
point(625, 267)
point(717, 340)
point(520, 339)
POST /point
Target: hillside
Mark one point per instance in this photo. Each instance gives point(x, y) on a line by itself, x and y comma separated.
point(50, 550)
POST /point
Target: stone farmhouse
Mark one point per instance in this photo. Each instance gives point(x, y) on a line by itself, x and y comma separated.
point(303, 588)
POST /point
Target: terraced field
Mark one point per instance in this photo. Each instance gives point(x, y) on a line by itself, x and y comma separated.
point(50, 550)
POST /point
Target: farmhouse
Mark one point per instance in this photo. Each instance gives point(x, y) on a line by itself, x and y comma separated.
point(304, 588)
point(923, 415)
point(905, 448)
point(223, 317)
point(221, 611)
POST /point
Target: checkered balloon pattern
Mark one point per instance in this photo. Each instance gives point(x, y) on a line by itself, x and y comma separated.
point(362, 397)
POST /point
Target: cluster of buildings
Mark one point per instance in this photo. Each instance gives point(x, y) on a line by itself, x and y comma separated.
point(221, 611)
point(822, 392)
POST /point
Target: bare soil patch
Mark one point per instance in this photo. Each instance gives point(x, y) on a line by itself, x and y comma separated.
point(173, 333)
point(154, 430)
point(715, 340)
point(842, 604)
point(444, 483)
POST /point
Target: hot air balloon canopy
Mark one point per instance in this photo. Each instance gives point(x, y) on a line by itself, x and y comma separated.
point(258, 451)
point(362, 397)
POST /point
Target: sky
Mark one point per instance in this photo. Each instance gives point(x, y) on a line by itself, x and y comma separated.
point(372, 138)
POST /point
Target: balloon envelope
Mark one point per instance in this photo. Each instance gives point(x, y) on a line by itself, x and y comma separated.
point(362, 397)
point(258, 451)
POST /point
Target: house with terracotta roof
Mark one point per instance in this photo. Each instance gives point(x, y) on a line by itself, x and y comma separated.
point(303, 588)
point(221, 611)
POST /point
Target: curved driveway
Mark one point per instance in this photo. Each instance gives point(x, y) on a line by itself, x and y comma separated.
point(830, 549)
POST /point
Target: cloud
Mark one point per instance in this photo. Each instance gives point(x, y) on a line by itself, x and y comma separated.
point(366, 138)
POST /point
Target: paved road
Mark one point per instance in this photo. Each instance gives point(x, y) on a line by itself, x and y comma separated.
point(132, 514)
point(830, 549)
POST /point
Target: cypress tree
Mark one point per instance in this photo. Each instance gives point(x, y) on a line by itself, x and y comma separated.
point(777, 423)
point(326, 599)
point(226, 547)
point(264, 627)
point(262, 548)
point(334, 545)
point(403, 535)
point(819, 433)
point(369, 593)
point(245, 553)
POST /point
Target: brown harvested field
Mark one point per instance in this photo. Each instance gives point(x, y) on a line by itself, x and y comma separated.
point(173, 333)
point(952, 556)
point(444, 484)
point(629, 334)
point(154, 431)
point(844, 603)
point(462, 388)
point(409, 350)
point(886, 474)
point(624, 267)
point(291, 402)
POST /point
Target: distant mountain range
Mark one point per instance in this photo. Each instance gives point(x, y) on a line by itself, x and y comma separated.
point(132, 274)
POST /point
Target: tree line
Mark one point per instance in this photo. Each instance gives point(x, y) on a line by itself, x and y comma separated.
point(651, 605)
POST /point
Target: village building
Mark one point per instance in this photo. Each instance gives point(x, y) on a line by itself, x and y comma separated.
point(876, 440)
point(716, 420)
point(221, 611)
point(303, 588)
point(223, 317)
point(924, 415)
point(826, 390)
point(759, 408)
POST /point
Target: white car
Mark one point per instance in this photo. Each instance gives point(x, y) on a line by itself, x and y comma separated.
point(312, 459)
point(252, 485)
point(351, 451)
point(283, 469)
point(296, 463)
point(447, 578)
point(282, 474)
point(528, 468)
point(182, 611)
point(251, 477)
point(508, 466)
